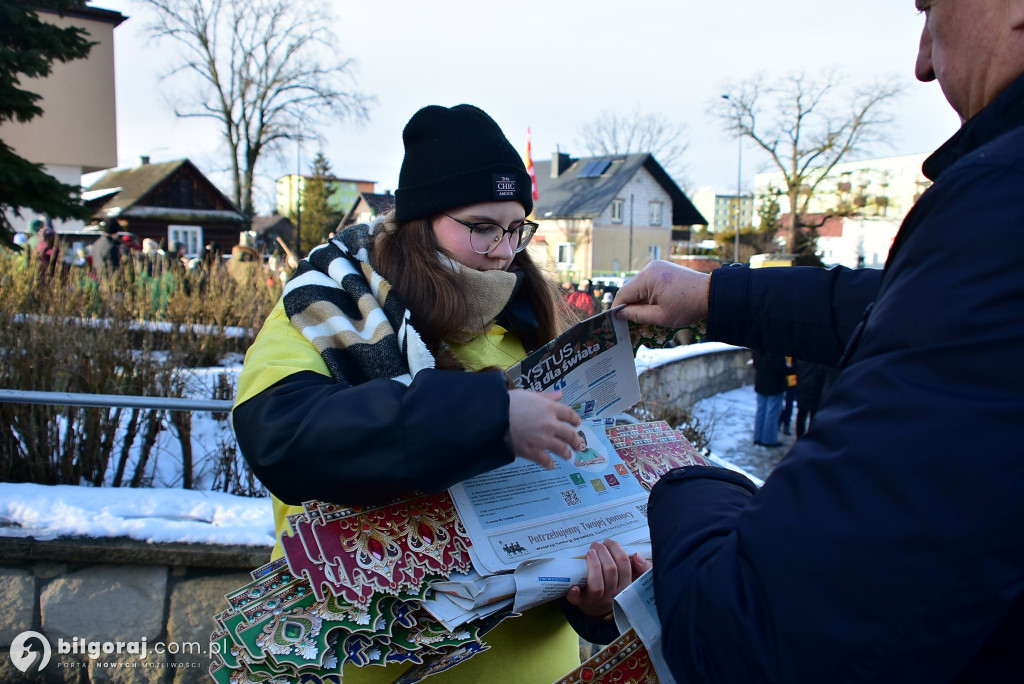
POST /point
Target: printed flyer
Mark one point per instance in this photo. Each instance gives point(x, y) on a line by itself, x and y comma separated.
point(592, 363)
point(523, 512)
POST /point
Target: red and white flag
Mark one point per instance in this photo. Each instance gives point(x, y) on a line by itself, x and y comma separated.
point(529, 166)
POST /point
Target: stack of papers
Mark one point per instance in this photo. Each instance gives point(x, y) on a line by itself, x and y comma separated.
point(350, 589)
point(422, 580)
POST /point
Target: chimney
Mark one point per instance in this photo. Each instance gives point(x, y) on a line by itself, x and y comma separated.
point(560, 161)
point(143, 159)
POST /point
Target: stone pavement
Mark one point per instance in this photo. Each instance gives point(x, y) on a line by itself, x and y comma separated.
point(757, 460)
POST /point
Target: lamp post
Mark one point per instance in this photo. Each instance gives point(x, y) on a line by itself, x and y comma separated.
point(629, 266)
point(739, 175)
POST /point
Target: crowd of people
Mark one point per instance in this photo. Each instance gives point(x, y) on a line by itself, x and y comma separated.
point(586, 299)
point(156, 268)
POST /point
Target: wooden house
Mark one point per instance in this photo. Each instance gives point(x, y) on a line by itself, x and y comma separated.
point(168, 202)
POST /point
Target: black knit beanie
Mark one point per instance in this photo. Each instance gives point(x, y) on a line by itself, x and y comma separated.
point(454, 157)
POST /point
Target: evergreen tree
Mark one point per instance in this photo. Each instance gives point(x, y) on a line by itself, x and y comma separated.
point(769, 212)
point(760, 240)
point(28, 48)
point(318, 217)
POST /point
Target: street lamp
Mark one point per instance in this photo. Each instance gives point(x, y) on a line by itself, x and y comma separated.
point(739, 175)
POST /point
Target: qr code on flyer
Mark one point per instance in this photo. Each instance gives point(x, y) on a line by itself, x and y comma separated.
point(571, 497)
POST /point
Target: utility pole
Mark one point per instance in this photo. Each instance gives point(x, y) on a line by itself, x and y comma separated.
point(739, 177)
point(629, 266)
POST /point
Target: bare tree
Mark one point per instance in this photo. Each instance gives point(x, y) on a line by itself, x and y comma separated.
point(615, 134)
point(259, 67)
point(807, 125)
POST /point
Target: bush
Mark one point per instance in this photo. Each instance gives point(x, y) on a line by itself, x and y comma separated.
point(141, 332)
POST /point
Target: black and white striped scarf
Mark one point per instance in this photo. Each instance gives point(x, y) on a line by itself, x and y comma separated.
point(358, 323)
point(351, 314)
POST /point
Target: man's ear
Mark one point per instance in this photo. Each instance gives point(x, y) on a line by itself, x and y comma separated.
point(1016, 14)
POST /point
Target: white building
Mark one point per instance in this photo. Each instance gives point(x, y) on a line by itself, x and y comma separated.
point(871, 198)
point(856, 242)
point(886, 187)
point(76, 134)
point(720, 209)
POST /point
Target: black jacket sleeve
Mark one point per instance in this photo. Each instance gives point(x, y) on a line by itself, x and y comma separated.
point(311, 437)
point(806, 312)
point(595, 630)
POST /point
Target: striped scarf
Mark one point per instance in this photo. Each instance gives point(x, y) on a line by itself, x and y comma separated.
point(358, 323)
point(351, 314)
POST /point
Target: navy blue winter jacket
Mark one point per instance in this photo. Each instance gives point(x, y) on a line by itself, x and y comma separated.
point(888, 545)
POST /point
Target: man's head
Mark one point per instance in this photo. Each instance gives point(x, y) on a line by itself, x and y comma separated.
point(974, 48)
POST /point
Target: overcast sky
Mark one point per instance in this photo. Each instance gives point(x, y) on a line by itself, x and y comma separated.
point(551, 65)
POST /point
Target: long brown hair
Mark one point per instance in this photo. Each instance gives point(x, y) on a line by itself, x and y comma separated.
point(405, 256)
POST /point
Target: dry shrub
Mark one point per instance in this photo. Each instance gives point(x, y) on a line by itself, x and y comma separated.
point(137, 333)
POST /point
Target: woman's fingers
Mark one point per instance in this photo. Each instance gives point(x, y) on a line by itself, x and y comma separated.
point(538, 424)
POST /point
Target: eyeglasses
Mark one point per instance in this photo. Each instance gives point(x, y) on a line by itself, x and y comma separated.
point(484, 236)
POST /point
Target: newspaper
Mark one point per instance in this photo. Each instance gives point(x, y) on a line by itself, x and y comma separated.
point(522, 512)
point(634, 608)
point(592, 363)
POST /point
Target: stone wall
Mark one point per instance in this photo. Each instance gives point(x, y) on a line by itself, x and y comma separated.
point(162, 596)
point(682, 383)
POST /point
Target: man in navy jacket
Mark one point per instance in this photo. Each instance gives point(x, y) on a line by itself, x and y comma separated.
point(888, 545)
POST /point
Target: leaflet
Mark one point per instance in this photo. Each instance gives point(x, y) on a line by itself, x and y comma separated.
point(548, 579)
point(634, 608)
point(592, 363)
point(523, 512)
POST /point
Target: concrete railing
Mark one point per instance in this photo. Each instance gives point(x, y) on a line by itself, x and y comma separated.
point(701, 371)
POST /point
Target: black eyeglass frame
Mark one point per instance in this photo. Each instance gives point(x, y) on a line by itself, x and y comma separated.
point(504, 231)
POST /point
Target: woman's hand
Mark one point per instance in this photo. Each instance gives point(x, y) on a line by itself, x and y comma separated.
point(538, 423)
point(609, 571)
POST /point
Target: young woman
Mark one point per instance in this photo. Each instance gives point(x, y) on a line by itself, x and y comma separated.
point(379, 372)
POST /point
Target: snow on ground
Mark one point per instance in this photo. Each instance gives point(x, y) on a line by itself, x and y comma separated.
point(153, 515)
point(729, 416)
point(178, 515)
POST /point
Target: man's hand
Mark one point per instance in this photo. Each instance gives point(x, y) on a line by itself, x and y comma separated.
point(665, 294)
point(538, 423)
